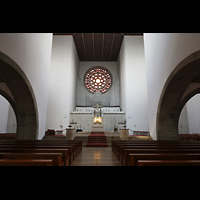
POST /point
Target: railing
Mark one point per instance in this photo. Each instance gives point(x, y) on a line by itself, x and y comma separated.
point(145, 133)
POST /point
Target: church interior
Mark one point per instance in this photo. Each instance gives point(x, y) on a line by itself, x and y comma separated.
point(99, 99)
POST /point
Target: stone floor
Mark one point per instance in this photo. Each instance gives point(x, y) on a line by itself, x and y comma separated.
point(96, 156)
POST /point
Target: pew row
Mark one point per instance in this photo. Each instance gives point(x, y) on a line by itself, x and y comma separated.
point(169, 163)
point(55, 157)
point(185, 156)
point(7, 162)
point(123, 149)
point(64, 152)
point(67, 149)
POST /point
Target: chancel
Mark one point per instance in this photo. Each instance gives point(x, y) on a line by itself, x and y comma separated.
point(88, 92)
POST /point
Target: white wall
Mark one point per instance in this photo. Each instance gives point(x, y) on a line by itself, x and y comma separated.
point(11, 122)
point(193, 111)
point(163, 52)
point(8, 123)
point(32, 52)
point(4, 107)
point(62, 88)
point(183, 126)
point(133, 83)
point(121, 67)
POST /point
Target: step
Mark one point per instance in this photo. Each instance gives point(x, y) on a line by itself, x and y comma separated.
point(96, 145)
point(96, 139)
point(96, 136)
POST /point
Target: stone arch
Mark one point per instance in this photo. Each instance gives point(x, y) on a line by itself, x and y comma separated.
point(23, 102)
point(171, 102)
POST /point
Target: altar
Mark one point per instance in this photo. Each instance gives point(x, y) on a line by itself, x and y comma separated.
point(97, 118)
point(97, 128)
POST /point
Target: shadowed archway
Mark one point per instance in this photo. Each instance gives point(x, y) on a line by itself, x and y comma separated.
point(22, 100)
point(171, 101)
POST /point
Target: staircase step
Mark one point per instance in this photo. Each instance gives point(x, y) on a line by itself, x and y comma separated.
point(96, 145)
point(97, 139)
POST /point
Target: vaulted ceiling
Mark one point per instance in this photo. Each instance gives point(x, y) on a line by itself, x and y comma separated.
point(98, 46)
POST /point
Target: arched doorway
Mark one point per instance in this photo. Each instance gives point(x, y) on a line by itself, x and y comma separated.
point(175, 95)
point(20, 96)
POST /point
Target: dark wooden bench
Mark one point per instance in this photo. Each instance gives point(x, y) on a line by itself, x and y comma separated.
point(121, 153)
point(71, 152)
point(73, 147)
point(77, 145)
point(7, 162)
point(157, 151)
point(168, 162)
point(40, 145)
point(65, 152)
point(119, 146)
point(116, 144)
point(55, 157)
point(7, 136)
point(148, 156)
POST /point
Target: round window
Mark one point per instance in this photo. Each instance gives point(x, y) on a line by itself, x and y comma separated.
point(98, 80)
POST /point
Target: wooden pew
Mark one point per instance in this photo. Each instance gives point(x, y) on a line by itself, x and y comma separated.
point(7, 162)
point(117, 144)
point(73, 147)
point(123, 148)
point(77, 145)
point(185, 156)
point(71, 152)
point(157, 151)
point(7, 136)
point(168, 162)
point(65, 152)
point(121, 153)
point(55, 157)
point(33, 145)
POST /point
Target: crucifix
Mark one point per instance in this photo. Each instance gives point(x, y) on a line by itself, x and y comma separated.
point(97, 110)
point(97, 119)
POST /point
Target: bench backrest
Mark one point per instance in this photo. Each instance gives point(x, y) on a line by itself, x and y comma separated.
point(55, 157)
point(7, 162)
point(135, 157)
point(125, 159)
point(65, 152)
point(168, 162)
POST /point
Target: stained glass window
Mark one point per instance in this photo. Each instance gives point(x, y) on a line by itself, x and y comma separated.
point(98, 79)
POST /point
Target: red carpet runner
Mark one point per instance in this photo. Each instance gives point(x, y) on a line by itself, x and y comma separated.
point(97, 139)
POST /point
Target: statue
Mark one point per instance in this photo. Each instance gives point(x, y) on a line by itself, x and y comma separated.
point(97, 111)
point(97, 119)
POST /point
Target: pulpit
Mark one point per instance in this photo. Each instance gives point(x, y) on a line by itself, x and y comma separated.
point(70, 132)
point(124, 134)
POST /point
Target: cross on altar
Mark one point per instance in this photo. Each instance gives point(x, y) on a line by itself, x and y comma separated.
point(97, 110)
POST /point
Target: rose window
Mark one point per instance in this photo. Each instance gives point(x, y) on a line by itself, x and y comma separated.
point(98, 80)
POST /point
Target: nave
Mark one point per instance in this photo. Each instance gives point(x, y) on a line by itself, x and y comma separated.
point(96, 156)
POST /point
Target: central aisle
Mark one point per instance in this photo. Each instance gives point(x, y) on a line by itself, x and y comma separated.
point(96, 156)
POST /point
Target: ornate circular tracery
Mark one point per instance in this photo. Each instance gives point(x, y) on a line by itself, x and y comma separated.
point(98, 80)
